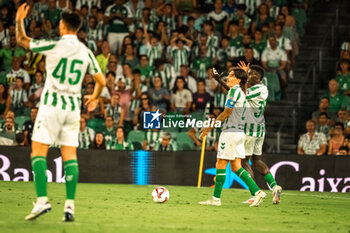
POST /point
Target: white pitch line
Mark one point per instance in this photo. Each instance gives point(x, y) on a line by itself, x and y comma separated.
point(313, 195)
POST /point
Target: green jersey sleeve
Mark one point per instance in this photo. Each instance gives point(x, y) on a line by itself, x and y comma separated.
point(44, 47)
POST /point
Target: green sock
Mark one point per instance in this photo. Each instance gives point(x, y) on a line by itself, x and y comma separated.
point(71, 172)
point(219, 182)
point(39, 167)
point(247, 179)
point(270, 180)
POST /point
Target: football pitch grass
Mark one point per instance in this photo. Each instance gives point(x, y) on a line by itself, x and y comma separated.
point(129, 208)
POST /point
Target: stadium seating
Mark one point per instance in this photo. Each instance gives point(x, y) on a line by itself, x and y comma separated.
point(20, 120)
point(136, 137)
point(184, 142)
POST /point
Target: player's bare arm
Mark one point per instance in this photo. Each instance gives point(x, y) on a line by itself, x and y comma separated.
point(21, 36)
point(222, 117)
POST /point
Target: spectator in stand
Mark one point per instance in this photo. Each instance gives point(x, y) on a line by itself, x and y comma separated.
point(38, 85)
point(19, 98)
point(151, 137)
point(94, 33)
point(225, 53)
point(98, 142)
point(165, 71)
point(166, 143)
point(152, 47)
point(5, 101)
point(246, 43)
point(109, 132)
point(17, 71)
point(343, 117)
point(99, 111)
point(259, 44)
point(9, 52)
point(343, 77)
point(312, 143)
point(146, 70)
point(248, 58)
point(119, 18)
point(200, 64)
point(335, 98)
point(274, 60)
point(235, 37)
point(115, 110)
point(129, 56)
point(28, 126)
point(119, 143)
point(218, 17)
point(103, 58)
point(7, 136)
point(181, 97)
point(145, 106)
point(337, 140)
point(160, 96)
point(346, 102)
point(189, 80)
point(323, 107)
point(180, 51)
point(262, 18)
point(20, 139)
point(52, 14)
point(86, 134)
point(322, 126)
point(124, 102)
point(345, 46)
point(200, 98)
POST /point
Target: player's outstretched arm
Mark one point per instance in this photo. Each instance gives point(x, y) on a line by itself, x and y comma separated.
point(222, 117)
point(92, 100)
point(21, 36)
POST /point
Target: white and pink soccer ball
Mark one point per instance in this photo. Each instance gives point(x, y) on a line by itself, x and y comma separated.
point(160, 194)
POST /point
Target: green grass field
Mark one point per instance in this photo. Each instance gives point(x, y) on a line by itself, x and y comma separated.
point(129, 208)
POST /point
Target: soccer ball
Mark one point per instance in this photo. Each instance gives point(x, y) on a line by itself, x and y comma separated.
point(160, 194)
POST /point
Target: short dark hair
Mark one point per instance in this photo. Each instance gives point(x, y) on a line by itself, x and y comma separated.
point(19, 138)
point(344, 148)
point(136, 71)
point(111, 73)
point(71, 19)
point(242, 75)
point(323, 114)
point(258, 69)
point(339, 124)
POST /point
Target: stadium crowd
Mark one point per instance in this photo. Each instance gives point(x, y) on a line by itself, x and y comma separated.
point(155, 55)
point(329, 130)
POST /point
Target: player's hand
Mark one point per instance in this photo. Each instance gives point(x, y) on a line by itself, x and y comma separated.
point(91, 102)
point(204, 132)
point(22, 12)
point(243, 66)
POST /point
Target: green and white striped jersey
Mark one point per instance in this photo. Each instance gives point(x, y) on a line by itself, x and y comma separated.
point(67, 61)
point(211, 53)
point(18, 97)
point(86, 137)
point(219, 99)
point(151, 137)
point(180, 57)
point(94, 34)
point(172, 146)
point(239, 52)
point(237, 102)
point(167, 74)
point(252, 5)
point(114, 112)
point(153, 52)
point(121, 146)
point(256, 97)
point(153, 16)
point(110, 137)
point(345, 46)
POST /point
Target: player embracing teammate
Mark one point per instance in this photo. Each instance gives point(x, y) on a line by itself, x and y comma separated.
point(243, 134)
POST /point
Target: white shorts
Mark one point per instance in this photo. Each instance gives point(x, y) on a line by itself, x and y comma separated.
point(253, 145)
point(54, 126)
point(231, 145)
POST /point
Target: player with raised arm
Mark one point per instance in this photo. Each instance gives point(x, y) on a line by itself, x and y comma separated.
point(231, 141)
point(67, 61)
point(254, 128)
